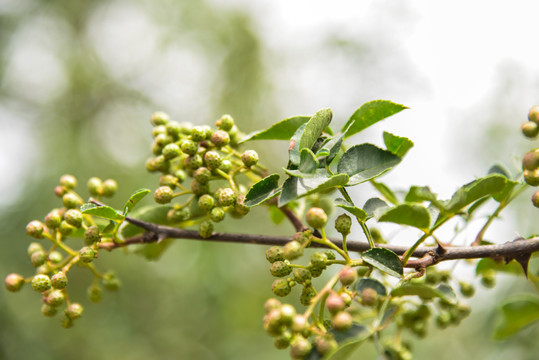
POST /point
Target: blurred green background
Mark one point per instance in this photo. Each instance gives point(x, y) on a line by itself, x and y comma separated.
point(80, 79)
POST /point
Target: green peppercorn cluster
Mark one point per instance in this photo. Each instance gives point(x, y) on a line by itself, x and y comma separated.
point(530, 161)
point(53, 258)
point(211, 160)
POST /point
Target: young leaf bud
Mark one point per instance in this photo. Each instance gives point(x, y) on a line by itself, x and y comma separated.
point(316, 218)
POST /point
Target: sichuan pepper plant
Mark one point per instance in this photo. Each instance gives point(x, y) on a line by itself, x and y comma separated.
point(373, 290)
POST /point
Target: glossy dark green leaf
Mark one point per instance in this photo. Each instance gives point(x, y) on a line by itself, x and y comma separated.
point(372, 205)
point(366, 161)
point(407, 214)
point(295, 187)
point(425, 292)
point(105, 212)
point(152, 213)
point(516, 314)
point(509, 186)
point(370, 113)
point(357, 212)
point(396, 144)
point(488, 264)
point(134, 199)
point(384, 260)
point(263, 190)
point(370, 283)
point(293, 148)
point(314, 128)
point(467, 194)
point(283, 130)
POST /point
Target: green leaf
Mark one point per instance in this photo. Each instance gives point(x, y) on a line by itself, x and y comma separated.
point(488, 264)
point(420, 194)
point(276, 215)
point(426, 292)
point(293, 149)
point(314, 127)
point(384, 260)
point(370, 113)
point(408, 214)
point(366, 161)
point(308, 162)
point(516, 314)
point(332, 147)
point(365, 283)
point(295, 187)
point(467, 194)
point(385, 191)
point(105, 212)
point(372, 205)
point(152, 213)
point(357, 212)
point(283, 130)
point(263, 190)
point(499, 169)
point(397, 145)
point(134, 199)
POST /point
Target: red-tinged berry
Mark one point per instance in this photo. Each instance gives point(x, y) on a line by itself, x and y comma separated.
point(227, 197)
point(189, 147)
point(274, 253)
point(73, 217)
point(281, 287)
point(280, 269)
point(212, 159)
point(35, 229)
point(74, 311)
point(202, 175)
point(53, 219)
point(530, 161)
point(533, 114)
point(325, 344)
point(335, 303)
point(342, 321)
point(205, 229)
point(220, 138)
point(59, 280)
point(163, 195)
point(271, 304)
point(316, 218)
point(159, 118)
point(347, 275)
point(41, 283)
point(343, 224)
point(14, 282)
point(530, 129)
point(535, 199)
point(60, 191)
point(249, 158)
point(110, 186)
point(300, 347)
point(55, 298)
point(369, 296)
point(87, 254)
point(225, 123)
point(68, 181)
point(95, 186)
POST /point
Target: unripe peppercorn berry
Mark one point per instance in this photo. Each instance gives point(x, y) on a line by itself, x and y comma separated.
point(316, 271)
point(193, 162)
point(49, 311)
point(343, 223)
point(65, 229)
point(342, 321)
point(53, 219)
point(14, 282)
point(189, 147)
point(530, 129)
point(271, 304)
point(71, 201)
point(299, 324)
point(369, 296)
point(92, 235)
point(198, 134)
point(307, 293)
point(282, 341)
point(227, 197)
point(173, 128)
point(68, 181)
point(249, 158)
point(74, 311)
point(38, 258)
point(488, 279)
point(162, 140)
point(109, 187)
point(95, 294)
point(59, 281)
point(178, 215)
point(35, 229)
point(300, 347)
point(274, 254)
point(301, 275)
point(212, 159)
point(466, 289)
point(41, 283)
point(280, 269)
point(325, 344)
point(316, 218)
point(159, 118)
point(535, 199)
point(280, 287)
point(292, 250)
point(55, 298)
point(55, 257)
point(95, 186)
point(163, 195)
point(159, 129)
point(288, 312)
point(226, 166)
point(202, 175)
point(530, 161)
point(335, 303)
point(225, 123)
point(73, 217)
point(533, 114)
point(205, 229)
point(180, 175)
point(168, 180)
point(217, 214)
point(319, 259)
point(111, 282)
point(60, 191)
point(66, 321)
point(199, 188)
point(33, 247)
point(161, 164)
point(347, 275)
point(531, 177)
point(87, 254)
point(220, 138)
point(206, 202)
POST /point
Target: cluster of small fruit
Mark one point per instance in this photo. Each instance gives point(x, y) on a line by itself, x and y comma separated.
point(205, 155)
point(530, 161)
point(52, 264)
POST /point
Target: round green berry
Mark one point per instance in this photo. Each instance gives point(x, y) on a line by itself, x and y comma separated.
point(66, 321)
point(205, 229)
point(301, 275)
point(316, 271)
point(173, 128)
point(109, 187)
point(111, 282)
point(330, 255)
point(303, 237)
point(35, 229)
point(178, 215)
point(92, 235)
point(347, 275)
point(307, 294)
point(488, 279)
point(530, 129)
point(87, 254)
point(225, 123)
point(226, 166)
point(202, 175)
point(159, 118)
point(283, 340)
point(59, 280)
point(206, 202)
point(272, 323)
point(53, 219)
point(292, 250)
point(163, 195)
point(198, 134)
point(73, 217)
point(95, 294)
point(530, 161)
point(227, 197)
point(159, 129)
point(60, 191)
point(68, 181)
point(220, 138)
point(95, 186)
point(189, 147)
point(280, 268)
point(327, 344)
point(38, 258)
point(217, 214)
point(342, 321)
point(343, 224)
point(168, 180)
point(535, 199)
point(193, 162)
point(41, 283)
point(71, 201)
point(150, 165)
point(531, 177)
point(281, 287)
point(180, 175)
point(74, 311)
point(170, 151)
point(319, 259)
point(300, 348)
point(55, 298)
point(466, 289)
point(33, 247)
point(212, 159)
point(55, 257)
point(48, 310)
point(162, 140)
point(161, 164)
point(157, 148)
point(533, 114)
point(299, 324)
point(274, 253)
point(271, 304)
point(249, 158)
point(199, 188)
point(14, 282)
point(288, 312)
point(316, 218)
